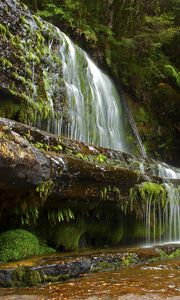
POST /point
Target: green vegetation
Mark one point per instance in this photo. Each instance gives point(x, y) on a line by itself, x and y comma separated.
point(24, 276)
point(68, 236)
point(59, 215)
point(138, 42)
point(106, 266)
point(18, 244)
point(44, 189)
point(149, 192)
point(133, 37)
point(172, 72)
point(129, 259)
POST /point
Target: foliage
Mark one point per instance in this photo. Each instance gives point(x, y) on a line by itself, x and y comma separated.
point(18, 244)
point(172, 72)
point(28, 215)
point(132, 36)
point(130, 258)
point(45, 189)
point(59, 215)
point(149, 191)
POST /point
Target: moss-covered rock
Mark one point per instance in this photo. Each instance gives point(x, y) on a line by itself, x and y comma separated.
point(24, 276)
point(28, 65)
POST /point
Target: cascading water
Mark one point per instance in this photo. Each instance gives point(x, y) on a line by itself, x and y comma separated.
point(94, 112)
point(74, 98)
point(162, 215)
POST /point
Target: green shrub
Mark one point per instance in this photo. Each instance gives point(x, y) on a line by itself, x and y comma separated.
point(18, 244)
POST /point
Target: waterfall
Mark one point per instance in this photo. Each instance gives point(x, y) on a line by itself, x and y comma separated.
point(162, 217)
point(93, 113)
point(90, 109)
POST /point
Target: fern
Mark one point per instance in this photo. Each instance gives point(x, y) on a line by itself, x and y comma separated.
point(173, 73)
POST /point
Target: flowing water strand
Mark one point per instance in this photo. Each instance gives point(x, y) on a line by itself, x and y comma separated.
point(172, 208)
point(95, 114)
point(168, 172)
point(162, 219)
point(172, 214)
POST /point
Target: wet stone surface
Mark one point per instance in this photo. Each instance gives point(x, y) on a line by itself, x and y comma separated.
point(158, 280)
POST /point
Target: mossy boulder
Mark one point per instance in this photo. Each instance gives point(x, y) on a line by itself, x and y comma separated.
point(18, 244)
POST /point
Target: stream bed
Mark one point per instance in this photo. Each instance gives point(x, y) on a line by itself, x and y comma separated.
point(155, 280)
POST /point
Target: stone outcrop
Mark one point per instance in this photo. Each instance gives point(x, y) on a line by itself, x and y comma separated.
point(31, 158)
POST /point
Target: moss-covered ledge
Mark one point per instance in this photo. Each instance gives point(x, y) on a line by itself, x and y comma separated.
point(73, 194)
point(61, 168)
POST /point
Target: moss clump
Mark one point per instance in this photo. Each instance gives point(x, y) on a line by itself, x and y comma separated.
point(116, 234)
point(9, 109)
point(105, 265)
point(129, 259)
point(18, 244)
point(174, 254)
point(24, 276)
point(68, 236)
point(44, 249)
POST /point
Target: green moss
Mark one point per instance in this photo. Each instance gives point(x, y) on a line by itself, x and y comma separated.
point(176, 253)
point(5, 62)
point(17, 244)
point(38, 21)
point(68, 236)
point(8, 108)
point(116, 235)
point(24, 276)
point(44, 249)
point(104, 265)
point(104, 232)
point(137, 230)
point(27, 277)
point(129, 259)
point(3, 30)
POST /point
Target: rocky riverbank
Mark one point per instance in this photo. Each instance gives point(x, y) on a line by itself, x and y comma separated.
point(59, 267)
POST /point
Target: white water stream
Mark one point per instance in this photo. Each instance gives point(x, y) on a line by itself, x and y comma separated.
point(94, 113)
point(162, 218)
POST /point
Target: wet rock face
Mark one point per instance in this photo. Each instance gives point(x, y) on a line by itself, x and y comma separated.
point(29, 63)
point(21, 164)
